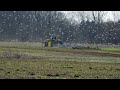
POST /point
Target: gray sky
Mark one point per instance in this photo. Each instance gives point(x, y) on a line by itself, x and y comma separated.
point(109, 16)
point(72, 15)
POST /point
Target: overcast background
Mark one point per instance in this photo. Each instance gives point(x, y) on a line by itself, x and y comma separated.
point(93, 27)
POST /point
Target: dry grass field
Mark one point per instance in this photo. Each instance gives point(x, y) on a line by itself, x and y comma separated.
point(31, 61)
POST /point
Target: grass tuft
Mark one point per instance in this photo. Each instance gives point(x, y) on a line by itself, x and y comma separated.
point(15, 55)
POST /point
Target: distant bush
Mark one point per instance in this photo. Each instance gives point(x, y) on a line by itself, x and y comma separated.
point(82, 47)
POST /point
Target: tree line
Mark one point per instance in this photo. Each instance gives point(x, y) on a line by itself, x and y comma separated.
point(36, 26)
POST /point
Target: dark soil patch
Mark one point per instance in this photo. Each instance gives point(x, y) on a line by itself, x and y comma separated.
point(31, 73)
point(1, 69)
point(8, 72)
point(53, 75)
point(118, 69)
point(97, 77)
point(88, 52)
point(68, 67)
point(17, 70)
point(90, 67)
point(76, 75)
point(97, 53)
point(104, 54)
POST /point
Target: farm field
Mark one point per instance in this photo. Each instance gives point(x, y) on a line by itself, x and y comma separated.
point(32, 61)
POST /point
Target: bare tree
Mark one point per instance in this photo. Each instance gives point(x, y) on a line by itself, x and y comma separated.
point(116, 15)
point(82, 15)
point(98, 16)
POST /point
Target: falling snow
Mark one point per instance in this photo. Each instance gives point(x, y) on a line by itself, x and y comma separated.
point(36, 25)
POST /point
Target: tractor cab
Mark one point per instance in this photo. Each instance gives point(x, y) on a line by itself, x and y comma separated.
point(54, 41)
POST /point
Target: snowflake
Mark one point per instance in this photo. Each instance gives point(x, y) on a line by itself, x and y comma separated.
point(23, 16)
point(10, 15)
point(114, 38)
point(1, 31)
point(9, 24)
point(102, 35)
point(15, 18)
point(60, 31)
point(16, 33)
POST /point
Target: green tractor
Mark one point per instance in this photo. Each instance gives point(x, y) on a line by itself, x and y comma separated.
point(54, 41)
